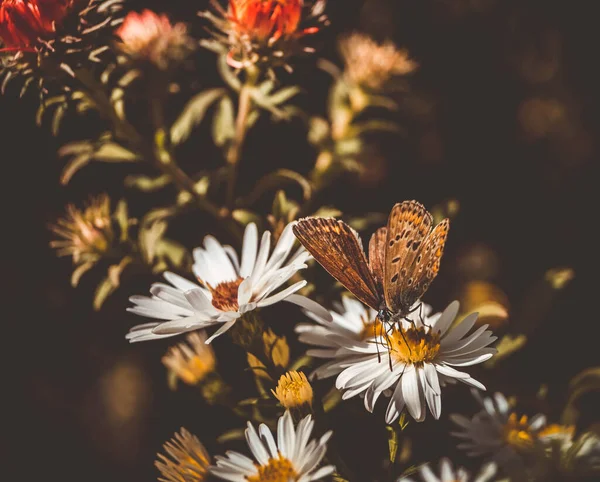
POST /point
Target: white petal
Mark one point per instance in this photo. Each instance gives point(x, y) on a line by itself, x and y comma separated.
point(457, 332)
point(244, 292)
point(199, 301)
point(261, 259)
point(282, 294)
point(323, 472)
point(219, 259)
point(267, 436)
point(256, 446)
point(221, 330)
point(179, 282)
point(311, 306)
point(249, 250)
point(395, 406)
point(446, 471)
point(412, 394)
point(427, 474)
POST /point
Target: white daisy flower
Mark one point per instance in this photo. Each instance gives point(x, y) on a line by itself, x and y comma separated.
point(448, 474)
point(291, 459)
point(227, 289)
point(411, 362)
point(500, 433)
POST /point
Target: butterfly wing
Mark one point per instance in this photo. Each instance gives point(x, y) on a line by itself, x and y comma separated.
point(377, 257)
point(409, 224)
point(337, 247)
point(426, 265)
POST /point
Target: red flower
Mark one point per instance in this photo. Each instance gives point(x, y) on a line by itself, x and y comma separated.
point(23, 22)
point(266, 20)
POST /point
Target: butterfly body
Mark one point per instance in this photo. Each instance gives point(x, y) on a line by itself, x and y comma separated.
point(404, 257)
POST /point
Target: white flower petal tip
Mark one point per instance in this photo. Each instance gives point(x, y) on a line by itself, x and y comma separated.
point(291, 450)
point(229, 287)
point(447, 473)
point(410, 364)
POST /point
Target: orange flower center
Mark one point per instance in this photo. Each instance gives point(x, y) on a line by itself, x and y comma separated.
point(225, 295)
point(414, 345)
point(277, 470)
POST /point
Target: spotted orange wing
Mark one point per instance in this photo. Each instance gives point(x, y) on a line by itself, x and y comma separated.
point(427, 264)
point(409, 225)
point(337, 247)
point(377, 257)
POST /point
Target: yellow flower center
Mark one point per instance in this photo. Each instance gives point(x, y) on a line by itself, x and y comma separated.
point(414, 345)
point(371, 328)
point(277, 470)
point(293, 390)
point(225, 295)
point(517, 433)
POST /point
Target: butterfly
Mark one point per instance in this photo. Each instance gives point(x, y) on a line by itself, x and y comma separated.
point(404, 257)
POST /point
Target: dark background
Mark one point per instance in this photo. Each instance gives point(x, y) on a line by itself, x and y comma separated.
point(502, 116)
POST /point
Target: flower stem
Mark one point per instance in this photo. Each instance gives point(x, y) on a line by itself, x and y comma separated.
point(241, 128)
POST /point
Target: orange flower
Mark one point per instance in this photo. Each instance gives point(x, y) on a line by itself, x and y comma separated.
point(266, 20)
point(265, 31)
point(24, 22)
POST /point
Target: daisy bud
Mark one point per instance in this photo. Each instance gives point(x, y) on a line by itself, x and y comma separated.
point(294, 390)
point(186, 461)
point(191, 362)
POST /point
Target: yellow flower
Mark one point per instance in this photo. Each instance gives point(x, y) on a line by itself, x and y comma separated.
point(293, 390)
point(191, 361)
point(186, 461)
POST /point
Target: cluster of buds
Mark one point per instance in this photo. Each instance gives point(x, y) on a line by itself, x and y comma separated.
point(263, 31)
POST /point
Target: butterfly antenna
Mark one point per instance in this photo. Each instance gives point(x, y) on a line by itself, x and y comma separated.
point(377, 339)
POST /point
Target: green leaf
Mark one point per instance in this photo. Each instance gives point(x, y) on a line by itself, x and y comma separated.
point(80, 271)
point(318, 131)
point(227, 73)
point(113, 152)
point(231, 435)
point(121, 215)
point(373, 125)
point(223, 127)
point(147, 183)
point(73, 165)
point(244, 216)
point(392, 443)
point(193, 113)
point(283, 95)
point(57, 118)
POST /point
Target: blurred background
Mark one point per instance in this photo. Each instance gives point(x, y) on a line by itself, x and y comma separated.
point(501, 117)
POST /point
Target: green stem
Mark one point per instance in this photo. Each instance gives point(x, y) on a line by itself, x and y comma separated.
point(241, 128)
point(155, 152)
